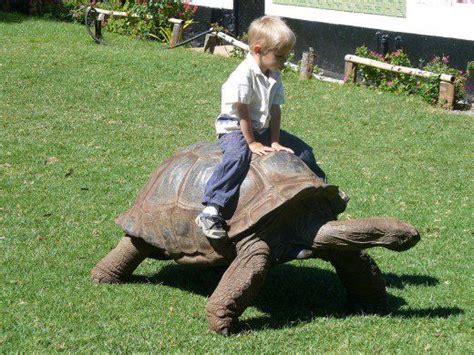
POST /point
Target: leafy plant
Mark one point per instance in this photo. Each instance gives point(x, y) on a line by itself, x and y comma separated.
point(152, 18)
point(400, 83)
point(167, 32)
point(148, 18)
point(440, 65)
point(239, 52)
point(317, 70)
point(62, 10)
point(291, 59)
point(470, 68)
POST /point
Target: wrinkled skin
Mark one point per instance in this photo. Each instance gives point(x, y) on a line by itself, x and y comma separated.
point(246, 274)
point(302, 226)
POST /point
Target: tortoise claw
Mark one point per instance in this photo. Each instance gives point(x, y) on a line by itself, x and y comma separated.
point(101, 276)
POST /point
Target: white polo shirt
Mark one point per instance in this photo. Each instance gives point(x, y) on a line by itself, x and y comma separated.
point(248, 85)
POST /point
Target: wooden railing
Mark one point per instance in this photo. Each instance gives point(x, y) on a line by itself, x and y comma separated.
point(446, 86)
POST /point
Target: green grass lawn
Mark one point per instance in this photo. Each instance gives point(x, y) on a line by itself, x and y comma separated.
point(82, 128)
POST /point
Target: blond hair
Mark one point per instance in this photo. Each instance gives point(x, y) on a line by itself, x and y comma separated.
point(271, 33)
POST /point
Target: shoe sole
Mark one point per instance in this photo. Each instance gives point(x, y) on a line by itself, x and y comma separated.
point(210, 236)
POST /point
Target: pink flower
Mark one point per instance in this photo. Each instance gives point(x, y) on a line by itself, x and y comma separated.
point(389, 83)
point(377, 55)
point(445, 59)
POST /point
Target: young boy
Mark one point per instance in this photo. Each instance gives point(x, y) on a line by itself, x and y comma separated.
point(250, 120)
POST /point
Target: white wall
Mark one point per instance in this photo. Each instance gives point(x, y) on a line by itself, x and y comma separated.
point(443, 18)
point(219, 4)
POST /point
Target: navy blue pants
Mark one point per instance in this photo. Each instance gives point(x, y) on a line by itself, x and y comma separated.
point(224, 184)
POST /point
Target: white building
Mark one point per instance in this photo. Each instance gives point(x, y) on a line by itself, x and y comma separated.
point(423, 28)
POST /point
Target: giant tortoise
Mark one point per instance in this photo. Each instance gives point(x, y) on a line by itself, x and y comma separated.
point(283, 212)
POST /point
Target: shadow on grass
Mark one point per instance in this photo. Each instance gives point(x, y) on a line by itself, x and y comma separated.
point(294, 294)
point(395, 281)
point(12, 17)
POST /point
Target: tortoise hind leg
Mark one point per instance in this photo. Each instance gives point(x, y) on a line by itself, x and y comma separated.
point(122, 260)
point(362, 279)
point(239, 285)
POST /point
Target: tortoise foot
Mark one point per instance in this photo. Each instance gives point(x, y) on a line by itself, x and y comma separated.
point(221, 320)
point(101, 276)
point(222, 326)
point(121, 261)
point(357, 306)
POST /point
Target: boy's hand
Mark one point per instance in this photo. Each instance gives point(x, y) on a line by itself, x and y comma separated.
point(259, 148)
point(278, 147)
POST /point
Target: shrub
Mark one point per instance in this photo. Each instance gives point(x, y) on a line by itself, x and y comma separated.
point(470, 69)
point(441, 65)
point(239, 52)
point(152, 19)
point(400, 83)
point(61, 10)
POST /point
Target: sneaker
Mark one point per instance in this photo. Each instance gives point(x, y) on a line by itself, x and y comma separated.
point(344, 196)
point(304, 254)
point(213, 226)
point(300, 253)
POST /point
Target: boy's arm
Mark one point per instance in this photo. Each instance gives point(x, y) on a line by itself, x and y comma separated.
point(246, 128)
point(275, 122)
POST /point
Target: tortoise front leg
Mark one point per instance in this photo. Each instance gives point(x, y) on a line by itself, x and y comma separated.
point(361, 278)
point(121, 261)
point(239, 285)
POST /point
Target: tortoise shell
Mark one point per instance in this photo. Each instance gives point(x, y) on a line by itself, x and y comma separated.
point(164, 212)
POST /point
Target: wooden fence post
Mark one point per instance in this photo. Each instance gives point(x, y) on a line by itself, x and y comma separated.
point(350, 72)
point(446, 94)
point(210, 42)
point(307, 64)
point(177, 31)
point(99, 23)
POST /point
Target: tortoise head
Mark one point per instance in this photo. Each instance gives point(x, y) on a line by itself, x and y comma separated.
point(306, 226)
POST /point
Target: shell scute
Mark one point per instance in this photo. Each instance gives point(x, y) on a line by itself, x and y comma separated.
point(166, 187)
point(192, 189)
point(283, 163)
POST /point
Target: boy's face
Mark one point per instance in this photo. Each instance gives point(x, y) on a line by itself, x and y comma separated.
point(273, 59)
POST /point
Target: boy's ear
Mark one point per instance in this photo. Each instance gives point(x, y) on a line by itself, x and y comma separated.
point(257, 49)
